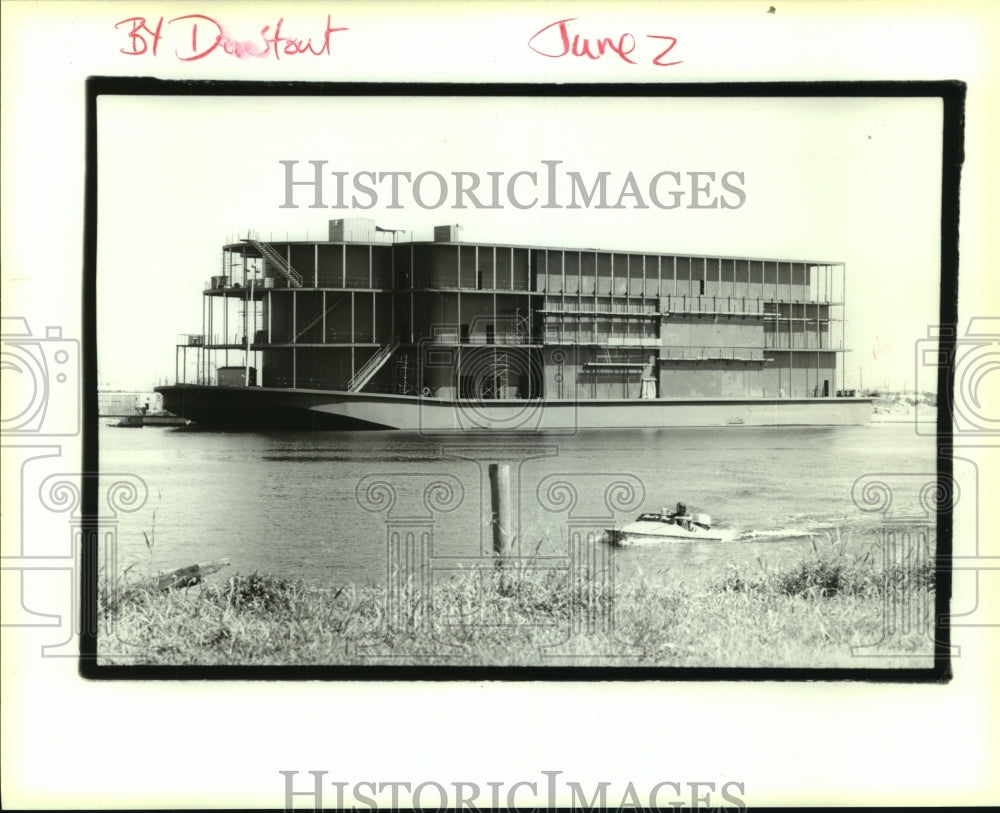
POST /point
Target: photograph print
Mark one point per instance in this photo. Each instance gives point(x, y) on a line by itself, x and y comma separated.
point(533, 381)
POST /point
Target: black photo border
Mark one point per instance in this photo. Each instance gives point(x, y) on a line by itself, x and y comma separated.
point(952, 95)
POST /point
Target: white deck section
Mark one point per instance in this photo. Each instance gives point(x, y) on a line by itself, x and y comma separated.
point(436, 415)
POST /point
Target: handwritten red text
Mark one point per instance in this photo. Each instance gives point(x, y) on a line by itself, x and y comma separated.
point(195, 36)
point(557, 40)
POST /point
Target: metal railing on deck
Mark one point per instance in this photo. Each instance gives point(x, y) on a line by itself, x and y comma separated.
point(744, 354)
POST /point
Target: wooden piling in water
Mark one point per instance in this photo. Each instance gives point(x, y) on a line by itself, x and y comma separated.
point(500, 504)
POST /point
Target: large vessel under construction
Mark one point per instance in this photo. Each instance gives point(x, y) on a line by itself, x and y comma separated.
point(370, 329)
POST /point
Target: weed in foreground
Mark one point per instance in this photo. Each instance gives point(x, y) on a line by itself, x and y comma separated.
point(810, 614)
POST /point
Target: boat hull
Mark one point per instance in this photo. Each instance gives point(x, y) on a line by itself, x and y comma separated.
point(636, 535)
point(274, 408)
point(139, 421)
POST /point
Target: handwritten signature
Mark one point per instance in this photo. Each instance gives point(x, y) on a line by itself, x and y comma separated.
point(556, 40)
point(197, 35)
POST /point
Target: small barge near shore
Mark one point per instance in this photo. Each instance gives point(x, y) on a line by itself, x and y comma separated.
point(141, 419)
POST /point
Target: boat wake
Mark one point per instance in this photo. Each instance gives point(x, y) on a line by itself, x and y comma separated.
point(795, 530)
point(763, 535)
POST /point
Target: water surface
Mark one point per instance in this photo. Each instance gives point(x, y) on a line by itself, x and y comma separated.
point(320, 506)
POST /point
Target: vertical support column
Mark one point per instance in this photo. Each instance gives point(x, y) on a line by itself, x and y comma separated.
point(843, 327)
point(251, 328)
point(593, 304)
point(354, 337)
point(500, 509)
point(392, 295)
point(246, 310)
point(791, 353)
point(562, 255)
point(199, 359)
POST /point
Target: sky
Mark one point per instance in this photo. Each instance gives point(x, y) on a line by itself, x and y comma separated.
point(846, 179)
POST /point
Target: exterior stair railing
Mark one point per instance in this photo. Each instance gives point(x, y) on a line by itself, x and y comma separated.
point(373, 365)
point(270, 255)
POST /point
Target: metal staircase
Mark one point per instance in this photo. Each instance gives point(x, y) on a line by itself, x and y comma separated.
point(373, 365)
point(277, 261)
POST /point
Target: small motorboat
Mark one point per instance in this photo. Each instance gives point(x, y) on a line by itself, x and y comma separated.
point(668, 528)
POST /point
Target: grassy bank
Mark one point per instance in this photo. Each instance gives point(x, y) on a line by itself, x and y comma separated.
point(810, 615)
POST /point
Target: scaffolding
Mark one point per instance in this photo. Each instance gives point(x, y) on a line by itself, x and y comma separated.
point(520, 332)
point(497, 378)
point(406, 375)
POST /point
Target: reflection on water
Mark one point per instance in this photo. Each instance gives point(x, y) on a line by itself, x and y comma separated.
point(322, 506)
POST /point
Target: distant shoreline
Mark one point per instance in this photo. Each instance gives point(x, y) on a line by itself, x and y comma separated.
point(897, 407)
point(902, 419)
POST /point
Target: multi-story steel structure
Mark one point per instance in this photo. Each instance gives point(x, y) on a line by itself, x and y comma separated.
point(366, 329)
